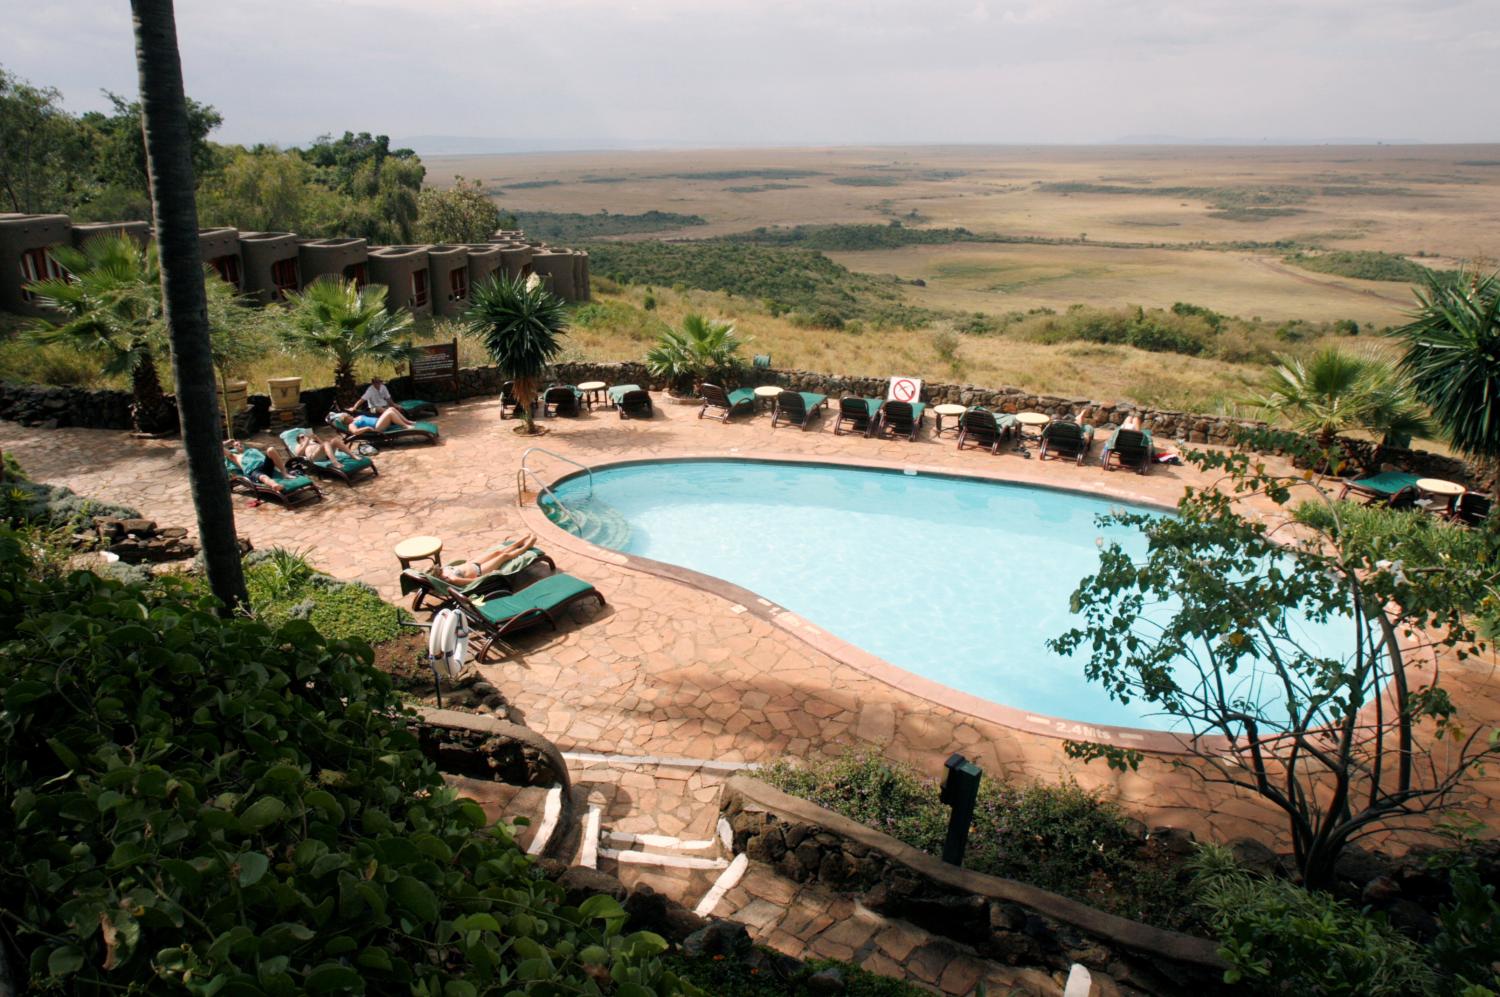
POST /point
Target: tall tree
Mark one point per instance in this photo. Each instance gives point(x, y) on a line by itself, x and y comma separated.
point(41, 147)
point(463, 213)
point(169, 165)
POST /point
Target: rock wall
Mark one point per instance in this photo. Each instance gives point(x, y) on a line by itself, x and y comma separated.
point(1004, 920)
point(52, 407)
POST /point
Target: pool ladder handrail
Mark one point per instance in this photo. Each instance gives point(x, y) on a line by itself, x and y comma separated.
point(542, 486)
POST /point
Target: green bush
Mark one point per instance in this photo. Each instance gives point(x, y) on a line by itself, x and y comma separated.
point(210, 806)
point(1280, 938)
point(570, 226)
point(283, 586)
point(797, 279)
point(1363, 264)
point(1061, 838)
point(837, 238)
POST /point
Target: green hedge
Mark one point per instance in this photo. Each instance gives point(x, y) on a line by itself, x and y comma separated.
point(204, 806)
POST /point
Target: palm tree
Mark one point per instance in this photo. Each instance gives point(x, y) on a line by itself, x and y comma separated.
point(1335, 391)
point(340, 318)
point(702, 348)
point(110, 304)
point(1453, 358)
point(521, 324)
point(169, 165)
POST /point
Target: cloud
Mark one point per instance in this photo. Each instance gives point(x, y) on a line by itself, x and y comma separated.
point(800, 71)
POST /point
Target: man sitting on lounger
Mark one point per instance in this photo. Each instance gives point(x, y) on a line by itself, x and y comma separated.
point(376, 399)
point(253, 464)
point(491, 560)
point(369, 425)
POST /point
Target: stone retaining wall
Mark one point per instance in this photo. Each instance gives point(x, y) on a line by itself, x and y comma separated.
point(482, 747)
point(1004, 920)
point(40, 405)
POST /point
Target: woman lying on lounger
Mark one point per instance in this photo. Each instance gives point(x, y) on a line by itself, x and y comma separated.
point(362, 425)
point(491, 560)
point(252, 464)
point(310, 448)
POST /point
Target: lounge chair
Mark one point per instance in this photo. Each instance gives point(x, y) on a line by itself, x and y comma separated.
point(1128, 448)
point(344, 468)
point(294, 490)
point(427, 432)
point(860, 413)
point(1064, 438)
point(562, 399)
point(985, 428)
point(509, 401)
point(498, 616)
point(631, 401)
point(1471, 509)
point(413, 407)
point(798, 408)
point(1380, 488)
point(418, 584)
point(729, 403)
point(901, 418)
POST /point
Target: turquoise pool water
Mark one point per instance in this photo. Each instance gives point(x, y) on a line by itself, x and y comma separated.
point(958, 580)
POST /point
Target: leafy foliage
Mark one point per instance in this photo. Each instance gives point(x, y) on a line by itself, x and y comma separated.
point(1453, 358)
point(1230, 659)
point(1363, 264)
point(1061, 838)
point(734, 978)
point(462, 213)
point(284, 586)
point(1335, 391)
point(348, 323)
point(40, 143)
point(521, 324)
point(791, 279)
point(1280, 938)
point(702, 349)
point(205, 806)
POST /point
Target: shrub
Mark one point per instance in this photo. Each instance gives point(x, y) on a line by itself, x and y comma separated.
point(200, 805)
point(1061, 838)
point(1277, 935)
point(1362, 264)
point(945, 344)
point(283, 586)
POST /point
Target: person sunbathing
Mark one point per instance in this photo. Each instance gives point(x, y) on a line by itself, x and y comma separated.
point(260, 466)
point(491, 560)
point(310, 448)
point(1132, 422)
point(369, 425)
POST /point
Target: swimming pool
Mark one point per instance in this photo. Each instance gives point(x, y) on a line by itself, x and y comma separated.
point(958, 580)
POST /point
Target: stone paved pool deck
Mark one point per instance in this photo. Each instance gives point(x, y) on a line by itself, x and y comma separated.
point(668, 669)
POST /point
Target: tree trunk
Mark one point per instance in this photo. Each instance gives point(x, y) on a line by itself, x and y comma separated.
point(148, 408)
point(169, 168)
point(343, 385)
point(526, 395)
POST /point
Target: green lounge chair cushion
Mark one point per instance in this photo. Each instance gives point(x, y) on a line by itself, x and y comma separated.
point(293, 484)
point(426, 427)
point(620, 391)
point(546, 594)
point(917, 409)
point(1386, 482)
point(414, 405)
point(811, 399)
point(872, 405)
point(741, 396)
point(347, 464)
point(1145, 435)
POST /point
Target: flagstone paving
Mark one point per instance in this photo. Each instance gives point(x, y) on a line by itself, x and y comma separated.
point(666, 668)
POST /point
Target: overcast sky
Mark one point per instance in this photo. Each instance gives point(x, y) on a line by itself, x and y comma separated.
point(801, 72)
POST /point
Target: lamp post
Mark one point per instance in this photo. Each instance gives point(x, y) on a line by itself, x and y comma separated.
point(960, 791)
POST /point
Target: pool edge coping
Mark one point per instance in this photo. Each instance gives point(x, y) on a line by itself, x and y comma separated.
point(845, 652)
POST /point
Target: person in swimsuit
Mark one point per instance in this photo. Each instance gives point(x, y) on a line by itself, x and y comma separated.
point(362, 425)
point(254, 464)
point(491, 560)
point(310, 448)
point(1132, 422)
